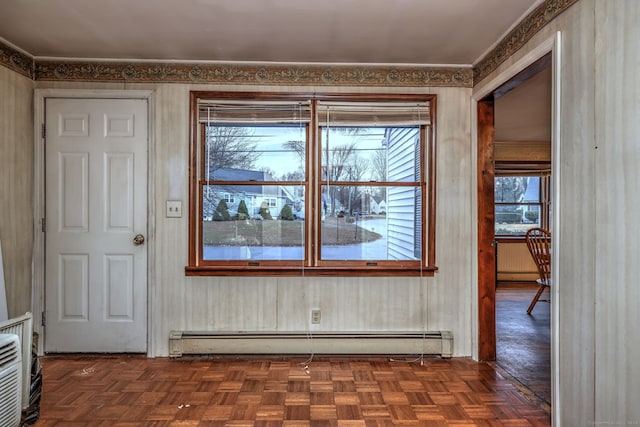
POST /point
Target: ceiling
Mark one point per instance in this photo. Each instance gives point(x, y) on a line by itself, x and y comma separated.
point(407, 32)
point(433, 32)
point(524, 113)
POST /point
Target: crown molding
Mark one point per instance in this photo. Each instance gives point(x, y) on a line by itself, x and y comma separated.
point(520, 35)
point(262, 74)
point(16, 60)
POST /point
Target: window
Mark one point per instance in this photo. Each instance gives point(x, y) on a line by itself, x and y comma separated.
point(521, 203)
point(300, 184)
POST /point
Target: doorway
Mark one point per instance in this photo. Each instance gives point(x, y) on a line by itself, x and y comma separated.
point(490, 130)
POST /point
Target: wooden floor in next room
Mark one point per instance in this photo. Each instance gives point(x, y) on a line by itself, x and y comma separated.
point(524, 341)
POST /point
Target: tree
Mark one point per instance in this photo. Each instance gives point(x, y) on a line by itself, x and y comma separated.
point(379, 165)
point(243, 212)
point(229, 147)
point(222, 211)
point(300, 147)
point(511, 189)
point(336, 160)
point(286, 213)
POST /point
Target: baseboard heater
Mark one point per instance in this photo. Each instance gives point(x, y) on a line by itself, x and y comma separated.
point(360, 343)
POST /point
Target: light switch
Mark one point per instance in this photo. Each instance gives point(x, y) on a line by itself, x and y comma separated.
point(174, 208)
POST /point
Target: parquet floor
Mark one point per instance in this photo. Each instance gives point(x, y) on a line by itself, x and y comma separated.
point(129, 390)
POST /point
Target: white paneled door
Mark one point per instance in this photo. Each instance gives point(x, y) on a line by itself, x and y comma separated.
point(96, 223)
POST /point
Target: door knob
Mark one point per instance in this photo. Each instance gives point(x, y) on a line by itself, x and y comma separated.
point(138, 240)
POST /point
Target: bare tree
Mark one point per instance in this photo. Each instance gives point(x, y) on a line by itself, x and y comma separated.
point(225, 147)
point(300, 147)
point(379, 165)
point(229, 147)
point(356, 171)
point(336, 160)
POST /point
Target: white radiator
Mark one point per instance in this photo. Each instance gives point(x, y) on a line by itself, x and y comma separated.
point(22, 326)
point(10, 380)
point(392, 343)
point(514, 262)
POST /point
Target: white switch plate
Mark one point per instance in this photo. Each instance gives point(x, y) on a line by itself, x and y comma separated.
point(174, 208)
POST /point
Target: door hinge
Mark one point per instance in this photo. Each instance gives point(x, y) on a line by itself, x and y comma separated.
point(43, 319)
point(44, 131)
point(44, 225)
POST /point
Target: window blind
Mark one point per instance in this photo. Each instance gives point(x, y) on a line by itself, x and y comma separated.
point(373, 114)
point(255, 112)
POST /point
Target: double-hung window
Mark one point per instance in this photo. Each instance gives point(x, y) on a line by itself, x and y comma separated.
point(309, 184)
point(521, 202)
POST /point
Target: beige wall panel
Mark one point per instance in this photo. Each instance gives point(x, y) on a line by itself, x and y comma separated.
point(449, 293)
point(617, 168)
point(170, 152)
point(351, 304)
point(283, 304)
point(16, 187)
point(574, 277)
point(231, 304)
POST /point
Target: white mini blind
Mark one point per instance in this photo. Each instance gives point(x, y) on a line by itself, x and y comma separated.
point(253, 112)
point(373, 113)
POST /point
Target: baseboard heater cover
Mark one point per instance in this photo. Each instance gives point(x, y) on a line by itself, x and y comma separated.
point(360, 343)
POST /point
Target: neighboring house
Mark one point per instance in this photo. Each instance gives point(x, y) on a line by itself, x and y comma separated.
point(254, 196)
point(378, 205)
point(404, 217)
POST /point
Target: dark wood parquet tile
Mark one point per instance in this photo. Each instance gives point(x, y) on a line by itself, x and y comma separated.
point(127, 391)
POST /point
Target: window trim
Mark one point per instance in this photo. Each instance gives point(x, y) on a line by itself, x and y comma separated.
point(425, 267)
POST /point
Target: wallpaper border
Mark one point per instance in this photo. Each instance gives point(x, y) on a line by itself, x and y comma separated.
point(17, 61)
point(519, 36)
point(264, 74)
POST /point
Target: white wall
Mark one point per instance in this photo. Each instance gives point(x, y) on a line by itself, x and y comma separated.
point(596, 156)
point(283, 304)
point(16, 183)
point(617, 229)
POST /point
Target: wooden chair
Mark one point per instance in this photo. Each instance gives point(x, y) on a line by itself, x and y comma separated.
point(539, 244)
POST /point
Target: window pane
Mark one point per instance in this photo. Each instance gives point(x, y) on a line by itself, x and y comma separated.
point(255, 153)
point(517, 206)
point(510, 189)
point(265, 222)
point(371, 223)
point(516, 219)
point(369, 154)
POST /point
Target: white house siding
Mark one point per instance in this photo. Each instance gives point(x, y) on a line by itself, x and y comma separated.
point(403, 226)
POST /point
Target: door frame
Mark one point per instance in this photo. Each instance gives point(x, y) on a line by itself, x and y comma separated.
point(39, 188)
point(484, 334)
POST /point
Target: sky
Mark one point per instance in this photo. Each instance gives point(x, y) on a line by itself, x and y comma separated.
point(270, 142)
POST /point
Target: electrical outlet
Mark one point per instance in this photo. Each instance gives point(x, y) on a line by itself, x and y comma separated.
point(315, 316)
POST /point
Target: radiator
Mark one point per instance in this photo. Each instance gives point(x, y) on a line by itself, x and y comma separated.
point(10, 380)
point(392, 343)
point(22, 327)
point(514, 262)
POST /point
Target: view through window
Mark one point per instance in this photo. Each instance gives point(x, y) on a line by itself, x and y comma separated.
point(310, 184)
point(520, 204)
